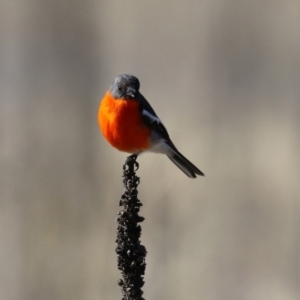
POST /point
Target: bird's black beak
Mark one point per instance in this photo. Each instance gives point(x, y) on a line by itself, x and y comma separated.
point(131, 92)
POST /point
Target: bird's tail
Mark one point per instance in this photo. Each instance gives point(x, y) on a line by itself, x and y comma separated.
point(184, 164)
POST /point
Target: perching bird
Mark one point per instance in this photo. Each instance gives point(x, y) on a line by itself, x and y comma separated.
point(129, 123)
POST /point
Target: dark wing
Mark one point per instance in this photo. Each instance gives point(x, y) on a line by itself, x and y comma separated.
point(151, 119)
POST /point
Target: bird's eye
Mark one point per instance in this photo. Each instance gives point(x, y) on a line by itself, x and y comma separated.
point(119, 88)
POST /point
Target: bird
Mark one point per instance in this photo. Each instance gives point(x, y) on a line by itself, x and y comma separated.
point(129, 124)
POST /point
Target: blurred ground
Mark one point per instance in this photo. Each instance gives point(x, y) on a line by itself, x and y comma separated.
point(223, 76)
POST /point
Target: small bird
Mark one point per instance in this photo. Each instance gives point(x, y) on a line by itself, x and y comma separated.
point(129, 123)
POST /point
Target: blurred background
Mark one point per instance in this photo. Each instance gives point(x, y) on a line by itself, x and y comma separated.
point(224, 76)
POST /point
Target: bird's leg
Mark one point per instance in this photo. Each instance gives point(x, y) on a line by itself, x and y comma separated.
point(130, 163)
point(133, 157)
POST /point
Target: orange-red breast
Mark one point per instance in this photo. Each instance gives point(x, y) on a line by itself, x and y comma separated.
point(129, 123)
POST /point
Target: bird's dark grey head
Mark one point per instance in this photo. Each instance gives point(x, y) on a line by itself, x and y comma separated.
point(125, 86)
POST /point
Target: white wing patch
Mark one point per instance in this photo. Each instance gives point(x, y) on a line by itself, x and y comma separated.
point(158, 143)
point(150, 116)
